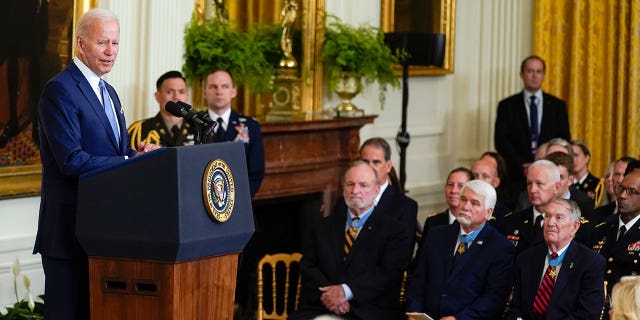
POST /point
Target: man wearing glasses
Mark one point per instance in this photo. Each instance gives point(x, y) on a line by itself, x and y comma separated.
point(620, 237)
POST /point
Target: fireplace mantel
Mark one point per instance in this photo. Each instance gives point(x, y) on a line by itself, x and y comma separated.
point(304, 157)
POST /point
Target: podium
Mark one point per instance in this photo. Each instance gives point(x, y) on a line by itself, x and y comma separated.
point(163, 232)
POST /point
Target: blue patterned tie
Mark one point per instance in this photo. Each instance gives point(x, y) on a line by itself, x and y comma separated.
point(108, 109)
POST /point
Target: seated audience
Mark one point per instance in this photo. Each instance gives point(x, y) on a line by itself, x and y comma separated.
point(353, 260)
point(504, 194)
point(584, 180)
point(560, 278)
point(462, 270)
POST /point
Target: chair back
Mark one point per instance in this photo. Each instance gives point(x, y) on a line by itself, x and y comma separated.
point(280, 266)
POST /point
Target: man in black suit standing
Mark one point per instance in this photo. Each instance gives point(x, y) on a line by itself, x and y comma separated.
point(560, 278)
point(462, 271)
point(353, 260)
point(527, 120)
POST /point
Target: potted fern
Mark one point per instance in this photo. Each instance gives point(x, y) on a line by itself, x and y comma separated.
point(352, 54)
point(212, 45)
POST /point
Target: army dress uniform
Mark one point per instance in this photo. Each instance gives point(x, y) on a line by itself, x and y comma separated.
point(622, 255)
point(153, 130)
point(593, 187)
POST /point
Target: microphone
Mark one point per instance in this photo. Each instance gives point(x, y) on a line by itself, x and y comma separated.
point(183, 110)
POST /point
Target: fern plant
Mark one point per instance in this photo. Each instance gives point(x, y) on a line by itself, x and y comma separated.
point(211, 45)
point(360, 50)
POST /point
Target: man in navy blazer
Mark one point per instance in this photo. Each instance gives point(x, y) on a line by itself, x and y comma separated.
point(576, 273)
point(391, 200)
point(462, 270)
point(364, 281)
point(76, 137)
point(513, 134)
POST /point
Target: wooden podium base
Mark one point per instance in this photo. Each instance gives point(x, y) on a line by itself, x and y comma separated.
point(133, 289)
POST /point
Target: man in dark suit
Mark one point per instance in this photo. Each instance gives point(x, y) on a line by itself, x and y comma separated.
point(165, 129)
point(572, 274)
point(77, 136)
point(524, 228)
point(219, 91)
point(455, 181)
point(460, 272)
point(390, 200)
point(353, 260)
point(515, 138)
point(621, 247)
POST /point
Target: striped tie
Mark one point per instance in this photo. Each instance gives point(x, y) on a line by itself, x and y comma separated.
point(541, 302)
point(350, 235)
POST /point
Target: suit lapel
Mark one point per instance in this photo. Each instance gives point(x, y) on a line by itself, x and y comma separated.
point(566, 272)
point(120, 115)
point(232, 132)
point(95, 103)
point(534, 272)
point(367, 231)
point(522, 113)
point(337, 234)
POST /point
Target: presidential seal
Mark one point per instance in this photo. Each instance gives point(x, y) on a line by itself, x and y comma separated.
point(218, 190)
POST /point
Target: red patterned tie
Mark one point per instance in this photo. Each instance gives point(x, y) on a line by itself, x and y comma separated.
point(541, 302)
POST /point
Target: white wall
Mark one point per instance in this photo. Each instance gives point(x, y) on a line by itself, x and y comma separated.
point(450, 117)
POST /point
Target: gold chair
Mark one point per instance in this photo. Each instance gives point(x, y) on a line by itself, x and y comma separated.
point(278, 276)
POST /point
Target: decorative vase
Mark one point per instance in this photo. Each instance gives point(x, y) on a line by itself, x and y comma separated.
point(349, 85)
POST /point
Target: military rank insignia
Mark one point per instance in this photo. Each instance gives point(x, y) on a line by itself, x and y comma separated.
point(218, 190)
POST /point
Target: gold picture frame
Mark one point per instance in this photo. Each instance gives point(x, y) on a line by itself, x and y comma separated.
point(312, 16)
point(23, 178)
point(444, 12)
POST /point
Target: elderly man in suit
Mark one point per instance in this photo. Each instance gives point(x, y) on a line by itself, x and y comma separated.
point(560, 278)
point(528, 119)
point(353, 260)
point(82, 128)
point(391, 199)
point(460, 272)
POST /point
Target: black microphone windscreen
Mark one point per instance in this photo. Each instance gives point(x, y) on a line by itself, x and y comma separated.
point(175, 109)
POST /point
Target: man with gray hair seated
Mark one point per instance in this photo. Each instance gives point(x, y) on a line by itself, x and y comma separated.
point(560, 278)
point(462, 270)
point(524, 228)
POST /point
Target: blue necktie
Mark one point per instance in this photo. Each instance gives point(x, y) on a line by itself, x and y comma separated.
point(533, 118)
point(108, 109)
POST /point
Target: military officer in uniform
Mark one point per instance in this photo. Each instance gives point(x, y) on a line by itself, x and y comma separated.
point(164, 129)
point(620, 237)
point(585, 181)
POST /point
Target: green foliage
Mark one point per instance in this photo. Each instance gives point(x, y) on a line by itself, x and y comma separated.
point(21, 311)
point(210, 45)
point(358, 49)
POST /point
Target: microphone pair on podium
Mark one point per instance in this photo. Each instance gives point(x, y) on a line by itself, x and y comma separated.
point(183, 110)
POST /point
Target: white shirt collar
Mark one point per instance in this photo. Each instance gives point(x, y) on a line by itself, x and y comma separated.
point(383, 187)
point(629, 224)
point(91, 77)
point(452, 217)
point(225, 117)
point(581, 180)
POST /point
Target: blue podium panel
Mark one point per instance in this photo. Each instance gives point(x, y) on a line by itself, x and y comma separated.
point(153, 207)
